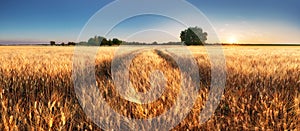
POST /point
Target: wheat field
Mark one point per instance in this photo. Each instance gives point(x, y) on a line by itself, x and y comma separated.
point(262, 89)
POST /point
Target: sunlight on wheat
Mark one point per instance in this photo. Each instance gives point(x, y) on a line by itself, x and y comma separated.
point(261, 93)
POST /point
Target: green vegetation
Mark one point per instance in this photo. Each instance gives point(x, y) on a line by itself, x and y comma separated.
point(193, 36)
point(190, 36)
point(95, 41)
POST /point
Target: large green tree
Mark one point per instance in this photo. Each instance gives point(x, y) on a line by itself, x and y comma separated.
point(193, 36)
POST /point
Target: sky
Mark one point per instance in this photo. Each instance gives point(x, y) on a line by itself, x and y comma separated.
point(234, 21)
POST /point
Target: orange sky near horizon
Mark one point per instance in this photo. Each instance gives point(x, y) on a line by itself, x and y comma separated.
point(258, 33)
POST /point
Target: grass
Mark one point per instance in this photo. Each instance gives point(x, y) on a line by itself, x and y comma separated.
point(262, 89)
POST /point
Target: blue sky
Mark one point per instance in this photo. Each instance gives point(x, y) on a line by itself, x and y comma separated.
point(252, 21)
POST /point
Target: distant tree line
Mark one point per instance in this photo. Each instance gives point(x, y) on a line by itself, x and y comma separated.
point(101, 41)
point(189, 36)
point(95, 41)
point(53, 43)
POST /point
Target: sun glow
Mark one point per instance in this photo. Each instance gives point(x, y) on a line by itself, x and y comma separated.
point(232, 40)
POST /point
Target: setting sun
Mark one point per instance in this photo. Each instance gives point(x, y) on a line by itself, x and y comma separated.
point(232, 40)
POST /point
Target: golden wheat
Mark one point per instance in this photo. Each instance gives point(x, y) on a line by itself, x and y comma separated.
point(262, 89)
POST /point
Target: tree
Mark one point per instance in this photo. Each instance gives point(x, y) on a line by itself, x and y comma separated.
point(71, 43)
point(193, 36)
point(116, 41)
point(104, 42)
point(96, 41)
point(91, 41)
point(52, 42)
point(154, 43)
point(109, 42)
